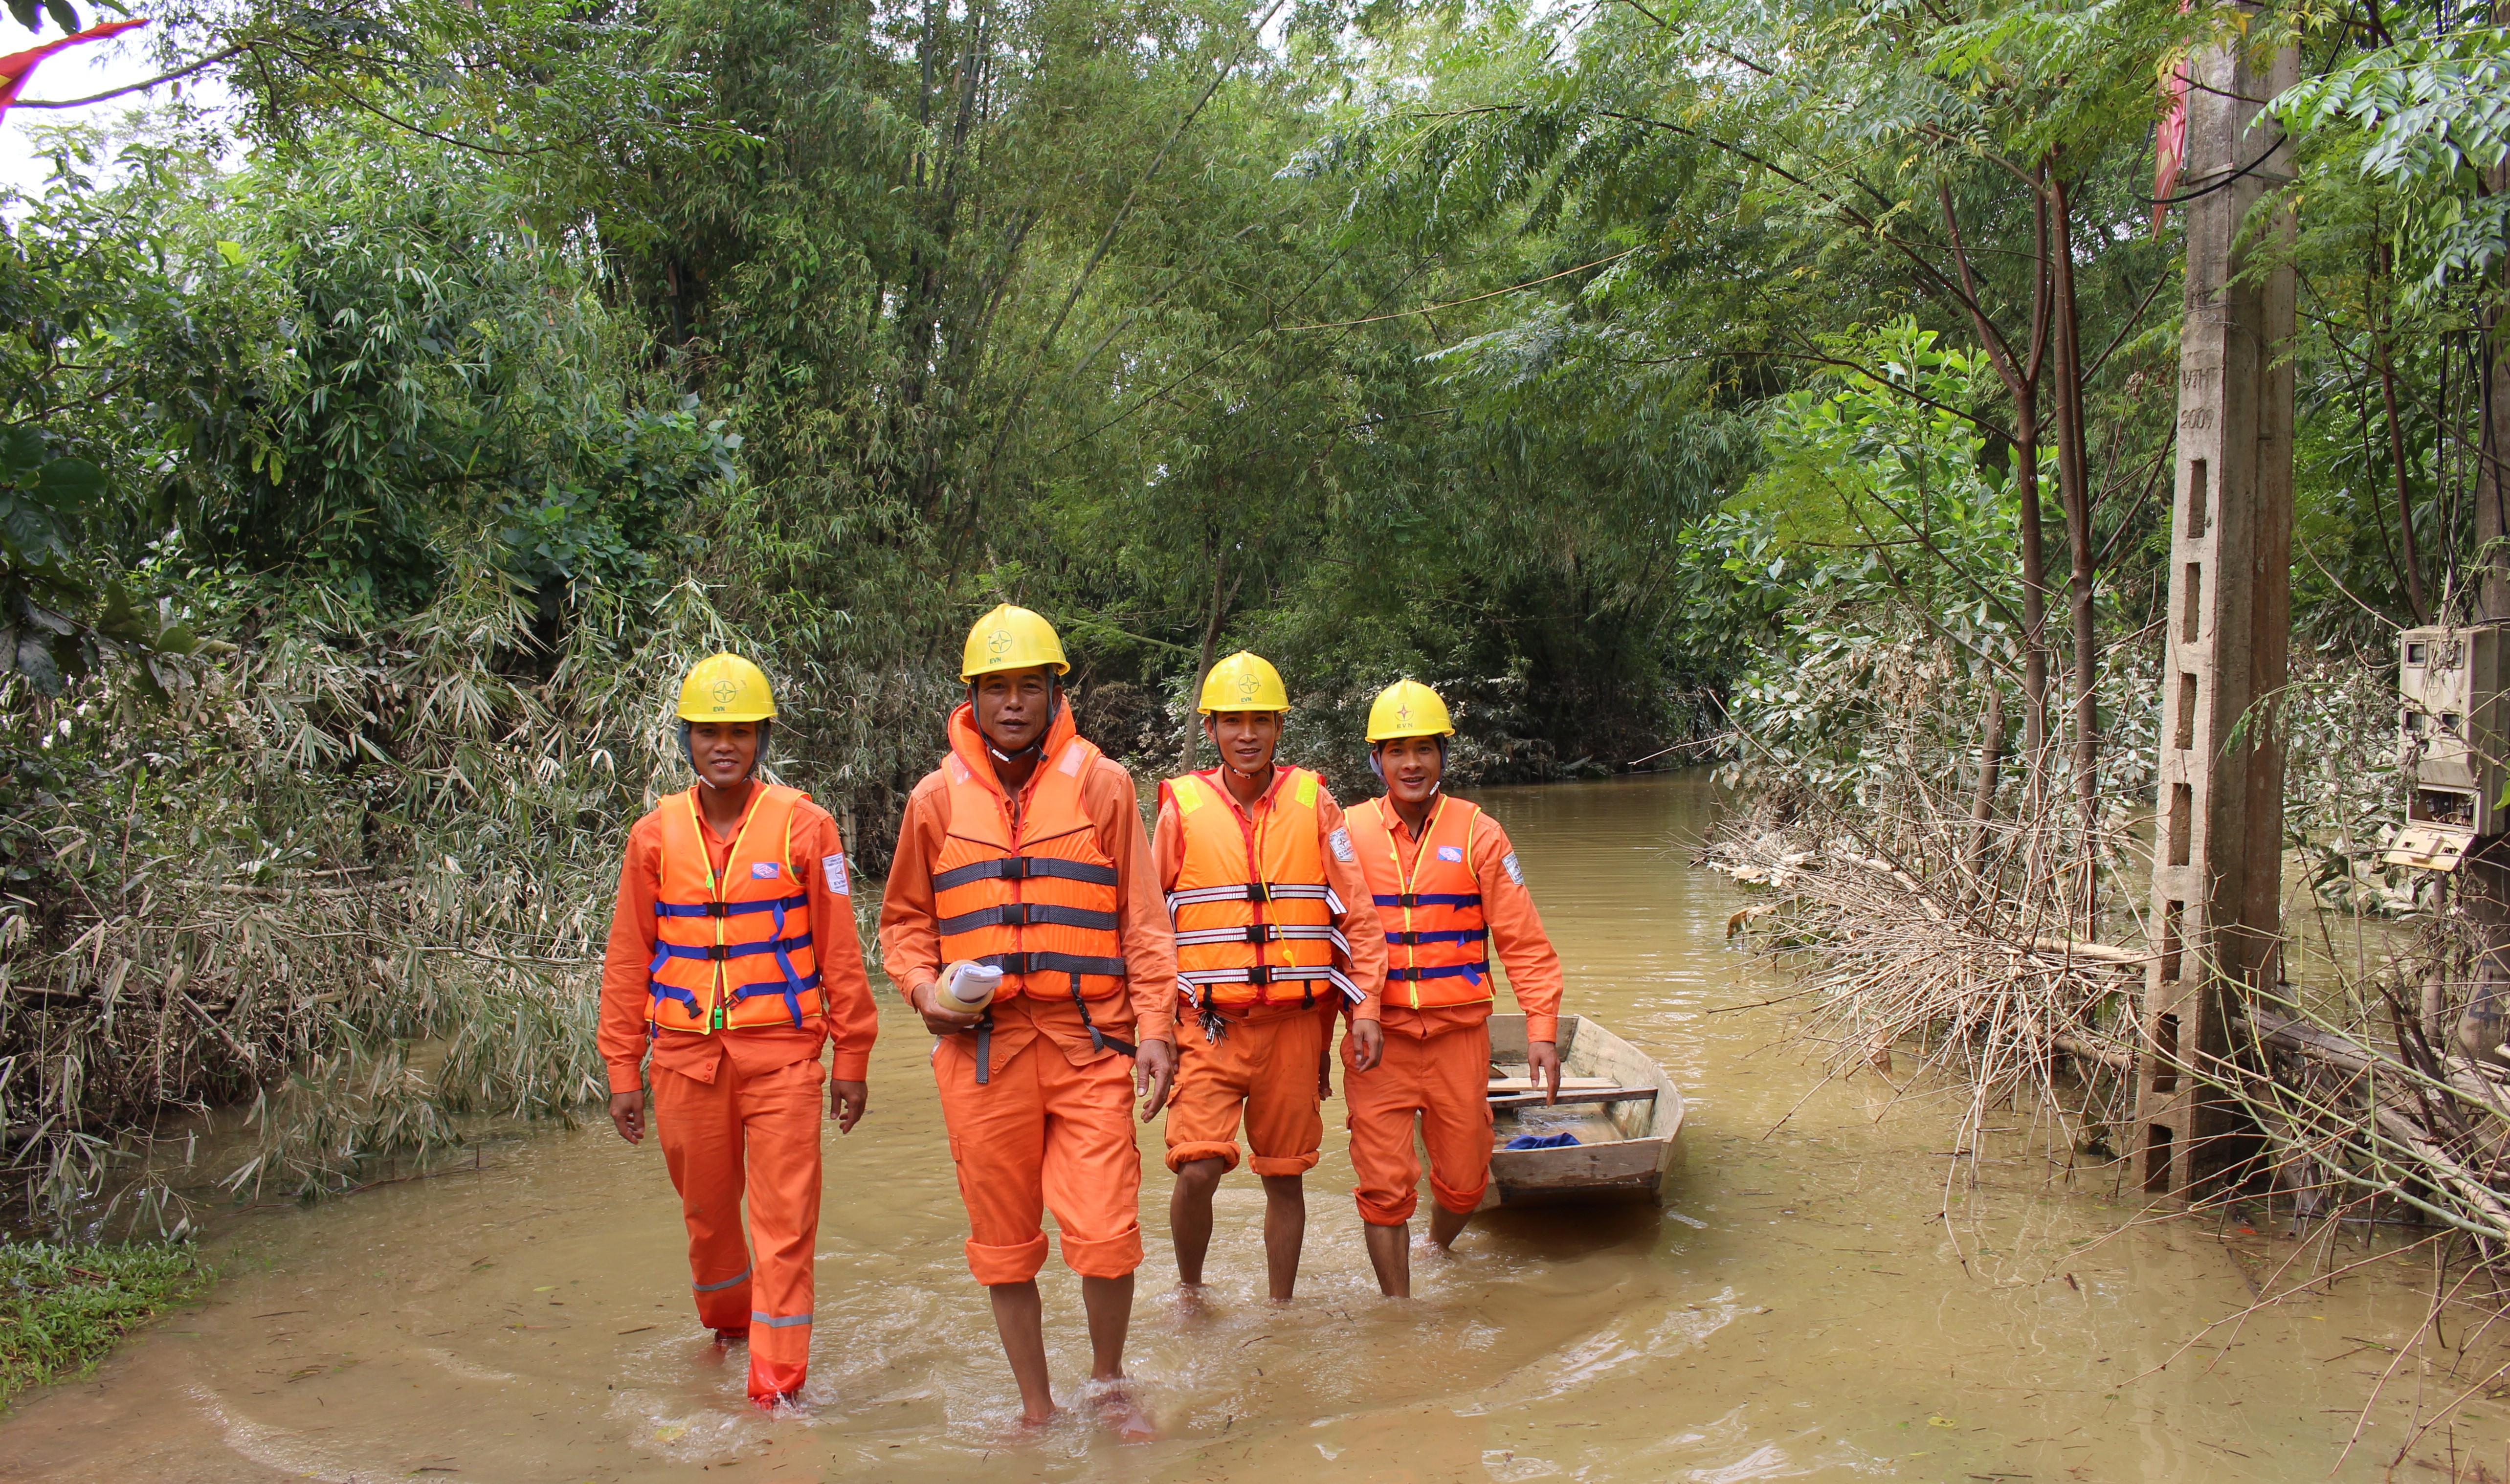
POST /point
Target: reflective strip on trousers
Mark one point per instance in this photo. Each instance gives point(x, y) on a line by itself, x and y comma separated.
point(776, 1322)
point(741, 1277)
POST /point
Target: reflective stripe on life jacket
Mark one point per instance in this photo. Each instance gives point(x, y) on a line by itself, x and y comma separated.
point(1253, 914)
point(1437, 943)
point(1040, 903)
point(733, 952)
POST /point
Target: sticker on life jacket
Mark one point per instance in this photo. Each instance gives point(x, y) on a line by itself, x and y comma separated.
point(1339, 840)
point(1451, 852)
point(833, 867)
point(765, 870)
point(1515, 872)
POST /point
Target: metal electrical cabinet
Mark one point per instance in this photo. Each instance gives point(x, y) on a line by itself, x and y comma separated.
point(2450, 744)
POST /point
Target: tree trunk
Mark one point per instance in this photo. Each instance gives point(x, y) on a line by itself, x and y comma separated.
point(2074, 494)
point(2034, 596)
point(1991, 765)
point(1220, 596)
point(2021, 377)
point(2408, 558)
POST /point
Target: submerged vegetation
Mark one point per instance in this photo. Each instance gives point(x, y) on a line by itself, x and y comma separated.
point(63, 1305)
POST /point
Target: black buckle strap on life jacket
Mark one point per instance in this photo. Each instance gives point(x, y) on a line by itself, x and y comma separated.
point(985, 1047)
point(1098, 1040)
point(1025, 868)
point(1027, 914)
point(1073, 963)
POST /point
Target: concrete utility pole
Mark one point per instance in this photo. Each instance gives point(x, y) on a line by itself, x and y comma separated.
point(2217, 843)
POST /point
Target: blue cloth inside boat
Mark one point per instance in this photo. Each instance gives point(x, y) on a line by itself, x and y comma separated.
point(1542, 1141)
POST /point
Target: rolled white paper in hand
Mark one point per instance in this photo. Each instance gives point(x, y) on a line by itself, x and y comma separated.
point(967, 988)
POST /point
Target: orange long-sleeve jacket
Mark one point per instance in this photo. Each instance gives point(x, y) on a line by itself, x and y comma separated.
point(850, 1019)
point(1516, 935)
point(1365, 962)
point(910, 939)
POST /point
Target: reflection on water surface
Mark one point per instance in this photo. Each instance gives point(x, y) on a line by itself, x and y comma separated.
point(1801, 1311)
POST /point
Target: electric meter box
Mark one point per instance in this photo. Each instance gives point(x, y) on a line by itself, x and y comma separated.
point(2449, 742)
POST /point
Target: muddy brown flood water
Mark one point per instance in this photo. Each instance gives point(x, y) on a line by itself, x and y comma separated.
point(1798, 1310)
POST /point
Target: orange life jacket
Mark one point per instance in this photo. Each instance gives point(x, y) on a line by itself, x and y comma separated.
point(1039, 902)
point(723, 959)
point(1437, 943)
point(1253, 914)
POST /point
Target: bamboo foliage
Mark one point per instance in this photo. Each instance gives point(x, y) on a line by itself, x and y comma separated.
point(360, 881)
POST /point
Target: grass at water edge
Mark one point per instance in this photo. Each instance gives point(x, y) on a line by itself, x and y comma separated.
point(63, 1305)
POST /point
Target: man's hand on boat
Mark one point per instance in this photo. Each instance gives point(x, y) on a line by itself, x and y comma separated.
point(1542, 1060)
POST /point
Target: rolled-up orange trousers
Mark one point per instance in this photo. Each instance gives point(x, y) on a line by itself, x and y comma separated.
point(1266, 1068)
point(1042, 1134)
point(758, 1136)
point(1444, 1081)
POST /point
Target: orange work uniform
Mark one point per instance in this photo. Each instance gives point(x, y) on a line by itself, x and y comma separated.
point(1042, 1119)
point(1462, 893)
point(1266, 1066)
point(737, 1109)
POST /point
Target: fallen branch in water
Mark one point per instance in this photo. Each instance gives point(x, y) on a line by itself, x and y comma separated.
point(1885, 961)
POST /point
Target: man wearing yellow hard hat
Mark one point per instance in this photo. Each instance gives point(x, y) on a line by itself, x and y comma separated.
point(1273, 935)
point(1023, 919)
point(733, 959)
point(1446, 884)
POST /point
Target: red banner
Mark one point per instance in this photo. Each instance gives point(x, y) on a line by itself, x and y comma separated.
point(17, 66)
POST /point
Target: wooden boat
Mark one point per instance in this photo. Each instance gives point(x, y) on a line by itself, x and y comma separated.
point(1625, 1112)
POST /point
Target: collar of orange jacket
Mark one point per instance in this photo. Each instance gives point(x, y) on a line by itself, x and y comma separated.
point(1217, 778)
point(970, 743)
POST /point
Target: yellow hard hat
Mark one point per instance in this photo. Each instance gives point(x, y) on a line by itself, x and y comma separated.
point(726, 687)
point(1408, 709)
point(1012, 638)
point(1245, 681)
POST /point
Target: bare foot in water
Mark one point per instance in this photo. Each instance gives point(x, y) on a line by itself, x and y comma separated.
point(1032, 1423)
point(1192, 1300)
point(1117, 1409)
